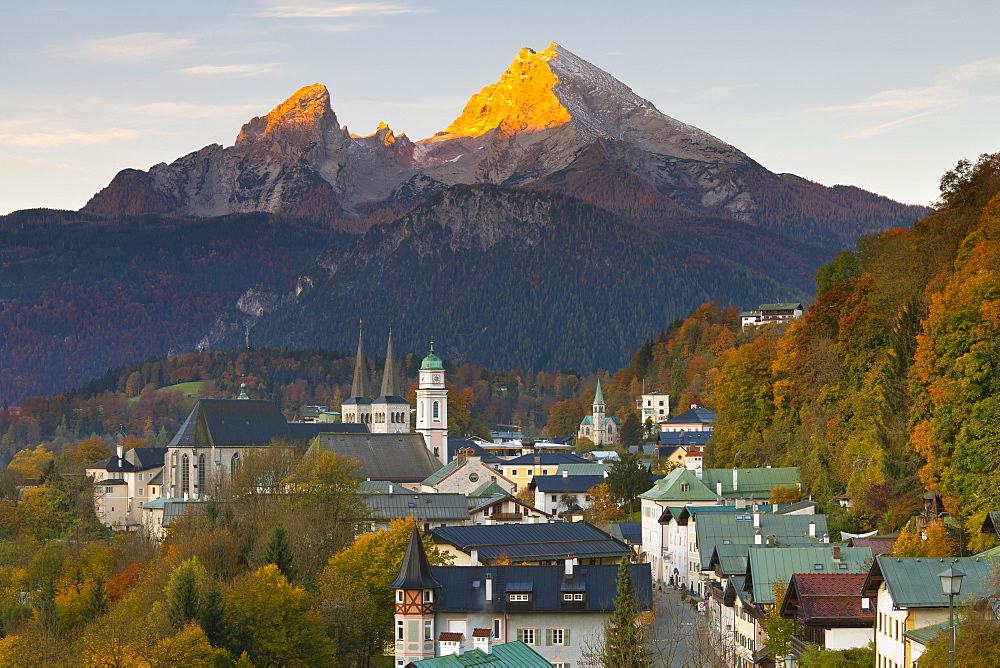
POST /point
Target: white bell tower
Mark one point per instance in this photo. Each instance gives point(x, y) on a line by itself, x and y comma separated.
point(432, 406)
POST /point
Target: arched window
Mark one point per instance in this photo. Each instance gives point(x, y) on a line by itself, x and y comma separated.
point(201, 474)
point(436, 411)
point(185, 475)
point(234, 465)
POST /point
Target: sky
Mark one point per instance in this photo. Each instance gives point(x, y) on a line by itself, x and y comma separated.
point(883, 95)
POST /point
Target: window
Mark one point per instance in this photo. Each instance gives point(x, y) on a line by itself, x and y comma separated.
point(554, 498)
point(572, 597)
point(545, 471)
point(429, 595)
point(513, 472)
point(399, 596)
point(817, 567)
point(399, 629)
point(437, 407)
point(140, 476)
point(497, 628)
point(201, 473)
point(685, 487)
point(152, 491)
point(234, 464)
point(185, 474)
point(140, 492)
point(108, 490)
point(519, 598)
point(428, 629)
point(527, 636)
point(558, 636)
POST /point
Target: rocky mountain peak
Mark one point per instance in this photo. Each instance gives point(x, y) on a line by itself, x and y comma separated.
point(300, 119)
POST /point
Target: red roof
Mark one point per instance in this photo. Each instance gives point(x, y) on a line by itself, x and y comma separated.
point(878, 544)
point(482, 633)
point(825, 596)
point(450, 637)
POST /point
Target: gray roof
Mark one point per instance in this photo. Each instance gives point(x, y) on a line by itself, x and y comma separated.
point(136, 459)
point(547, 458)
point(395, 457)
point(463, 588)
point(698, 414)
point(555, 484)
point(627, 532)
point(425, 507)
point(913, 581)
point(533, 542)
point(714, 529)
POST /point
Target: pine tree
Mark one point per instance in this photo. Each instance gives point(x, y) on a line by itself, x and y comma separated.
point(279, 552)
point(624, 638)
point(183, 600)
point(97, 602)
point(212, 616)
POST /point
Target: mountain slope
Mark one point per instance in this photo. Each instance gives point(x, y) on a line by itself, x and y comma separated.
point(505, 278)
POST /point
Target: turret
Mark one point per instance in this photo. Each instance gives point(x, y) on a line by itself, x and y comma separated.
point(416, 590)
point(432, 406)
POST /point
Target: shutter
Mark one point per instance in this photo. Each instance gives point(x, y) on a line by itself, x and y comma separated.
point(566, 637)
point(548, 637)
point(520, 635)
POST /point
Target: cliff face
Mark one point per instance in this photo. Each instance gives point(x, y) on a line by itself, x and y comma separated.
point(552, 121)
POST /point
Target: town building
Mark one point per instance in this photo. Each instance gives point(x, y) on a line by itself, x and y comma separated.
point(390, 412)
point(522, 469)
point(432, 406)
point(125, 481)
point(552, 609)
point(767, 314)
point(543, 544)
point(556, 494)
point(653, 407)
point(696, 418)
point(830, 611)
point(466, 473)
point(600, 428)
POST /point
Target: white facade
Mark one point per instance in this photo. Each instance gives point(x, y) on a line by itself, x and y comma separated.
point(654, 406)
point(432, 407)
point(892, 648)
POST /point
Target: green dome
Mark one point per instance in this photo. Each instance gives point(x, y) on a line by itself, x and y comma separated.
point(432, 362)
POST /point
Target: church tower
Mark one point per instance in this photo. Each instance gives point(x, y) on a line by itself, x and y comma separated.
point(600, 427)
point(358, 408)
point(390, 412)
point(415, 587)
point(432, 406)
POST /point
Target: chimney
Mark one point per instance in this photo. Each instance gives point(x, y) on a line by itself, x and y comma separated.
point(120, 453)
point(605, 473)
point(866, 603)
point(736, 477)
point(565, 473)
point(756, 520)
point(718, 488)
point(569, 562)
point(474, 557)
point(836, 553)
point(482, 640)
point(390, 488)
point(698, 472)
point(758, 538)
point(812, 528)
point(489, 586)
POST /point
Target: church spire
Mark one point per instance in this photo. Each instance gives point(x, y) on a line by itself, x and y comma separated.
point(360, 388)
point(599, 396)
point(415, 571)
point(390, 383)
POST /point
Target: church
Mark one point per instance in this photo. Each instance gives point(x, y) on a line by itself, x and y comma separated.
point(598, 427)
point(390, 412)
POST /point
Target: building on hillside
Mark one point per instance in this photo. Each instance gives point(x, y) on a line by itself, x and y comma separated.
point(696, 418)
point(522, 469)
point(600, 428)
point(430, 510)
point(504, 509)
point(552, 609)
point(466, 473)
point(542, 544)
point(653, 407)
point(159, 514)
point(908, 596)
point(432, 406)
point(556, 494)
point(125, 481)
point(218, 434)
point(830, 611)
point(390, 412)
point(767, 314)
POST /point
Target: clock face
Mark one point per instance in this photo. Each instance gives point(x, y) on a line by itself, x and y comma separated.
point(437, 379)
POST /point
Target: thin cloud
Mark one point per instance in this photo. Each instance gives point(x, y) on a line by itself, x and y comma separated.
point(334, 10)
point(887, 127)
point(234, 71)
point(74, 138)
point(341, 27)
point(904, 101)
point(135, 46)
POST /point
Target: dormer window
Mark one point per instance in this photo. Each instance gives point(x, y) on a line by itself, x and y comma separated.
point(428, 596)
point(399, 596)
point(518, 598)
point(685, 487)
point(569, 597)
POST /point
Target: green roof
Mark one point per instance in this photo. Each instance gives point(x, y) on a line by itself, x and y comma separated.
point(767, 566)
point(775, 307)
point(732, 559)
point(489, 488)
point(751, 483)
point(913, 581)
point(925, 635)
point(992, 555)
point(598, 395)
point(432, 362)
point(595, 468)
point(508, 655)
point(713, 529)
point(672, 488)
point(443, 472)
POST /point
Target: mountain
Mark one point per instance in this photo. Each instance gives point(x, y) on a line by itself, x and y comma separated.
point(502, 277)
point(553, 121)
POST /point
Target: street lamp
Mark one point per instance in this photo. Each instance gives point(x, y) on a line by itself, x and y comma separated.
point(951, 585)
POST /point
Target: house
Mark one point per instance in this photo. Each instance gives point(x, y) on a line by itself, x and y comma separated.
point(600, 428)
point(750, 318)
point(543, 544)
point(653, 407)
point(766, 314)
point(830, 611)
point(125, 481)
point(503, 508)
point(696, 418)
point(159, 514)
point(629, 533)
point(746, 487)
point(552, 609)
point(522, 469)
point(484, 654)
point(558, 493)
point(438, 510)
point(908, 596)
point(465, 473)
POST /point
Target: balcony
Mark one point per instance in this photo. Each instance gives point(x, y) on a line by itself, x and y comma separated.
point(506, 517)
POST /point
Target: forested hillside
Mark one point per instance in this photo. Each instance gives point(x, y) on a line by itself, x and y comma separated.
point(79, 294)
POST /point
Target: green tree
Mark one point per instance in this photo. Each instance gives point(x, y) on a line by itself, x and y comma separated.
point(632, 432)
point(564, 418)
point(779, 629)
point(279, 552)
point(624, 644)
point(183, 599)
point(627, 478)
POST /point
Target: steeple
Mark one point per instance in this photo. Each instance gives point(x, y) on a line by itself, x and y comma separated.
point(360, 388)
point(390, 383)
point(598, 396)
point(415, 572)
